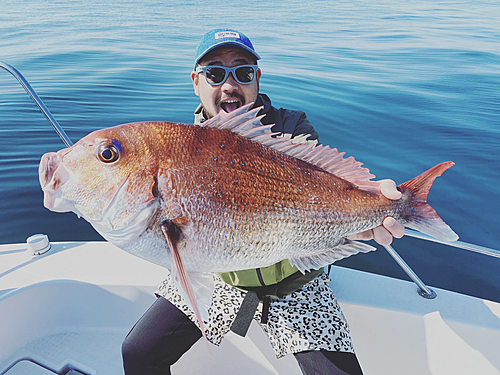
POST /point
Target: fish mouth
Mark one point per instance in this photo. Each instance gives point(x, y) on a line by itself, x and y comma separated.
point(231, 104)
point(52, 176)
point(47, 168)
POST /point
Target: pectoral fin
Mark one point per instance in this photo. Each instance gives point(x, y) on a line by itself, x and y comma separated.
point(172, 234)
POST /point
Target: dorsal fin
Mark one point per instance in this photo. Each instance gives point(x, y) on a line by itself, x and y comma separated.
point(246, 123)
point(237, 121)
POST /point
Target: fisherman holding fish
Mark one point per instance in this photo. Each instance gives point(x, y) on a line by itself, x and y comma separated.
point(298, 311)
point(243, 217)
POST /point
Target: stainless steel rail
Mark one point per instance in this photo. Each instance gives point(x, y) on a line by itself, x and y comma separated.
point(424, 290)
point(459, 244)
point(37, 101)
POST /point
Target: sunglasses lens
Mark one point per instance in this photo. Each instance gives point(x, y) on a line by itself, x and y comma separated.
point(245, 74)
point(215, 75)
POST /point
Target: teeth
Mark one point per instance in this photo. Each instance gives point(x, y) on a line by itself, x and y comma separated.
point(229, 105)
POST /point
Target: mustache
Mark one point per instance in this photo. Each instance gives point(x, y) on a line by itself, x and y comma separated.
point(234, 95)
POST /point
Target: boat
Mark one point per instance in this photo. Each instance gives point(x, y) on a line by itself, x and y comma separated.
point(65, 308)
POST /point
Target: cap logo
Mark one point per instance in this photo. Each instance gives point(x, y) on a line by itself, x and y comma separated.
point(227, 34)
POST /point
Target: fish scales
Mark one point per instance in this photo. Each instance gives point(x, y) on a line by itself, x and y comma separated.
point(244, 199)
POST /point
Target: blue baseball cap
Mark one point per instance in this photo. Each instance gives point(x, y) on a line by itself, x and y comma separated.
point(221, 38)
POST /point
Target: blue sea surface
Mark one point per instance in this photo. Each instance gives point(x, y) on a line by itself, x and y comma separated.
point(400, 85)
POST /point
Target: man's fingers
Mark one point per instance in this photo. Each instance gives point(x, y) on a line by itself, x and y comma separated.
point(389, 190)
point(364, 236)
point(382, 236)
point(394, 227)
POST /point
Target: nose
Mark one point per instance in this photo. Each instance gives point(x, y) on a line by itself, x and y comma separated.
point(230, 84)
point(48, 165)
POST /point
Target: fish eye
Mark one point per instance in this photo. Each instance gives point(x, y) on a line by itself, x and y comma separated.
point(108, 153)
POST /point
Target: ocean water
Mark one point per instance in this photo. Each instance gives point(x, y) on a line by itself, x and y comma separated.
point(400, 85)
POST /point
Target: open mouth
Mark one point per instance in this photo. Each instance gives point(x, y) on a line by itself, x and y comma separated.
point(53, 175)
point(230, 105)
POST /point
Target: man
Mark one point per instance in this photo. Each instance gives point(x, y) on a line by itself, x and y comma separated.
point(298, 312)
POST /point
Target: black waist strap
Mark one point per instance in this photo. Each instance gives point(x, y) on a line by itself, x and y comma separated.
point(255, 294)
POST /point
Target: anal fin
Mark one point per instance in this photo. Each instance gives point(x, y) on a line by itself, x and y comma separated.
point(316, 261)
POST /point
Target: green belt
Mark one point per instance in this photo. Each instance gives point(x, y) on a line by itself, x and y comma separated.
point(261, 276)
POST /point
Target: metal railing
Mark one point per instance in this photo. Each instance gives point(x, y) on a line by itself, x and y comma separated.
point(37, 101)
point(424, 290)
point(459, 244)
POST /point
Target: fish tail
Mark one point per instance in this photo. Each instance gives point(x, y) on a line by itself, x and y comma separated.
point(421, 216)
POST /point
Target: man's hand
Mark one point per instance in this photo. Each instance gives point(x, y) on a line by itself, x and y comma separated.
point(390, 227)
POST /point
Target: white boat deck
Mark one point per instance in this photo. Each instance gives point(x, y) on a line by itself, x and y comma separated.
point(71, 308)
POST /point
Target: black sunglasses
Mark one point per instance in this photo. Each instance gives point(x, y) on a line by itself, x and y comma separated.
point(217, 75)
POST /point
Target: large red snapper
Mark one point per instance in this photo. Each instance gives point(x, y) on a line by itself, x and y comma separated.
point(226, 196)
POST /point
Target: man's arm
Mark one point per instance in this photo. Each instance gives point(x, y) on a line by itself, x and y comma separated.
point(294, 124)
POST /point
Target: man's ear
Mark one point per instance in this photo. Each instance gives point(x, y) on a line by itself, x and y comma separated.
point(194, 78)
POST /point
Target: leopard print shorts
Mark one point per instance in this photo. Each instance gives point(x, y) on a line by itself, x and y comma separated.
point(308, 319)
